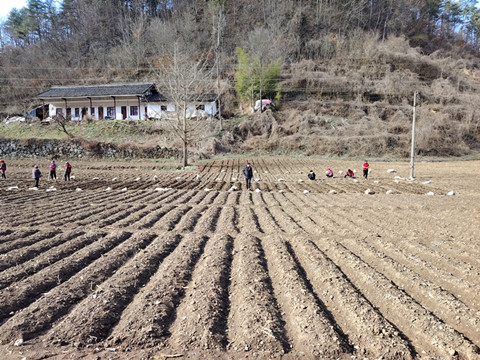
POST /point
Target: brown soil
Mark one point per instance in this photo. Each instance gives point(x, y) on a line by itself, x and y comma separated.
point(199, 267)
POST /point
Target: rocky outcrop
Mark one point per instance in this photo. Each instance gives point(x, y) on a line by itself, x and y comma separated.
point(31, 148)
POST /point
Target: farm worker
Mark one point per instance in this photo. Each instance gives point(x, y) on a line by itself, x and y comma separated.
point(311, 175)
point(3, 167)
point(365, 169)
point(68, 171)
point(349, 174)
point(36, 174)
point(53, 170)
point(329, 173)
point(248, 173)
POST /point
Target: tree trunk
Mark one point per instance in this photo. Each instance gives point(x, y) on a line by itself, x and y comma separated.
point(185, 137)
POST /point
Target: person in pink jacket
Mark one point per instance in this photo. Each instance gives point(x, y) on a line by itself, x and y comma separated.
point(53, 170)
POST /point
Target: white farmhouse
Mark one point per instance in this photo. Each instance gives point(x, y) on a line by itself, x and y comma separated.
point(134, 101)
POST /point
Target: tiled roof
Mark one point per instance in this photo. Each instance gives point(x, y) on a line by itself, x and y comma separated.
point(156, 98)
point(195, 98)
point(135, 89)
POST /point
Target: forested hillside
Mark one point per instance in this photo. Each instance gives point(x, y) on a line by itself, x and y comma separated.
point(343, 72)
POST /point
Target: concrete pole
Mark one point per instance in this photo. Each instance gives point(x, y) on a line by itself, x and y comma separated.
point(412, 151)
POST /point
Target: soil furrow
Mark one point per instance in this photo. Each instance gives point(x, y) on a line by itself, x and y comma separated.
point(220, 199)
point(267, 221)
point(23, 293)
point(202, 315)
point(425, 254)
point(49, 257)
point(208, 222)
point(21, 238)
point(23, 254)
point(172, 218)
point(255, 323)
point(418, 257)
point(286, 221)
point(368, 331)
point(210, 198)
point(457, 278)
point(270, 200)
point(153, 217)
point(49, 212)
point(140, 212)
point(147, 319)
point(233, 199)
point(10, 235)
point(83, 215)
point(310, 327)
point(426, 331)
point(96, 316)
point(188, 223)
point(440, 302)
point(119, 215)
point(248, 221)
point(60, 300)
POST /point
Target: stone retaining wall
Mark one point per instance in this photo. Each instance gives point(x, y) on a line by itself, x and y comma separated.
point(51, 148)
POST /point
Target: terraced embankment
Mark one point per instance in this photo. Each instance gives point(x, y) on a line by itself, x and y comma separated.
point(126, 262)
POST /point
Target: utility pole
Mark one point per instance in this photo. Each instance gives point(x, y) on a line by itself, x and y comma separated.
point(412, 151)
point(261, 76)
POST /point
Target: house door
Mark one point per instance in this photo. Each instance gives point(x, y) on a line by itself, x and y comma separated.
point(69, 113)
point(124, 112)
point(100, 112)
point(84, 112)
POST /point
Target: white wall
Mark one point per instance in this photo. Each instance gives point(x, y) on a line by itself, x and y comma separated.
point(211, 108)
point(153, 110)
point(98, 104)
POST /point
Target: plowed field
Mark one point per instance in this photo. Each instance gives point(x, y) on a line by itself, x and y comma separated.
point(128, 262)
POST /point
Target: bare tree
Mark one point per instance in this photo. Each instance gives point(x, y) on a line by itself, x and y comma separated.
point(217, 9)
point(61, 123)
point(184, 81)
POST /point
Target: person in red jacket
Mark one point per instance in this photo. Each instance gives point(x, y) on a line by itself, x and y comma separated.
point(349, 174)
point(68, 171)
point(365, 167)
point(329, 173)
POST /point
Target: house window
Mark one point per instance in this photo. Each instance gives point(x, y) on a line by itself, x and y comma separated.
point(200, 107)
point(163, 107)
point(133, 110)
point(92, 111)
point(59, 112)
point(110, 111)
point(77, 112)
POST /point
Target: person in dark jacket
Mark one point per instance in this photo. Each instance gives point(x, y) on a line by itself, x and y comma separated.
point(248, 173)
point(36, 174)
point(3, 168)
point(311, 175)
point(68, 171)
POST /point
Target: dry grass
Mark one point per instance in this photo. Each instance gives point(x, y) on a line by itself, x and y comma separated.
point(357, 100)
